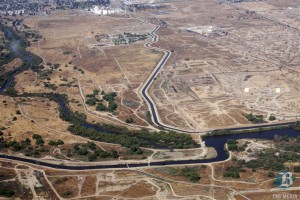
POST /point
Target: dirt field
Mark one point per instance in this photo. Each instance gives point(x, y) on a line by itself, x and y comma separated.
point(121, 69)
point(203, 85)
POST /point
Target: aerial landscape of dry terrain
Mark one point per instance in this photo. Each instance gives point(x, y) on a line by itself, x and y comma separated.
point(140, 99)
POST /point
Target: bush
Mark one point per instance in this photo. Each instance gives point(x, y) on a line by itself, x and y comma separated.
point(110, 97)
point(272, 118)
point(297, 169)
point(39, 142)
point(67, 193)
point(233, 172)
point(232, 145)
point(60, 142)
point(101, 107)
point(129, 121)
point(92, 157)
point(255, 119)
point(52, 143)
point(91, 102)
point(135, 150)
point(6, 192)
point(271, 174)
point(96, 92)
point(190, 173)
point(36, 136)
point(112, 106)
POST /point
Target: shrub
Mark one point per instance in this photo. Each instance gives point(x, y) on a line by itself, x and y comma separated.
point(6, 192)
point(272, 118)
point(101, 107)
point(190, 173)
point(232, 145)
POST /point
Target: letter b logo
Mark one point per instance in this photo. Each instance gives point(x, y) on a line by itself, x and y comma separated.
point(284, 179)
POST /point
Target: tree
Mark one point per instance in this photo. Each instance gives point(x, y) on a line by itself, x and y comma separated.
point(60, 142)
point(52, 143)
point(232, 145)
point(250, 117)
point(6, 192)
point(297, 169)
point(26, 142)
point(114, 154)
point(91, 101)
point(112, 106)
point(271, 174)
point(190, 173)
point(36, 136)
point(92, 157)
point(101, 107)
point(135, 150)
point(96, 92)
point(272, 118)
point(39, 142)
point(129, 121)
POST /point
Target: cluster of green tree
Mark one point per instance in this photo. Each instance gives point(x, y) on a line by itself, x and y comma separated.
point(7, 192)
point(129, 121)
point(65, 84)
point(272, 118)
point(287, 143)
point(29, 60)
point(297, 169)
point(67, 193)
point(233, 171)
point(50, 85)
point(58, 142)
point(11, 89)
point(256, 119)
point(134, 150)
point(129, 138)
point(110, 98)
point(67, 52)
point(92, 151)
point(296, 126)
point(269, 160)
point(219, 132)
point(148, 117)
point(31, 34)
point(6, 58)
point(294, 148)
point(191, 173)
point(25, 145)
point(133, 37)
point(92, 99)
point(232, 145)
point(38, 139)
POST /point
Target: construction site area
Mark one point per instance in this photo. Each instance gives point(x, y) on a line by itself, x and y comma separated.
point(241, 58)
